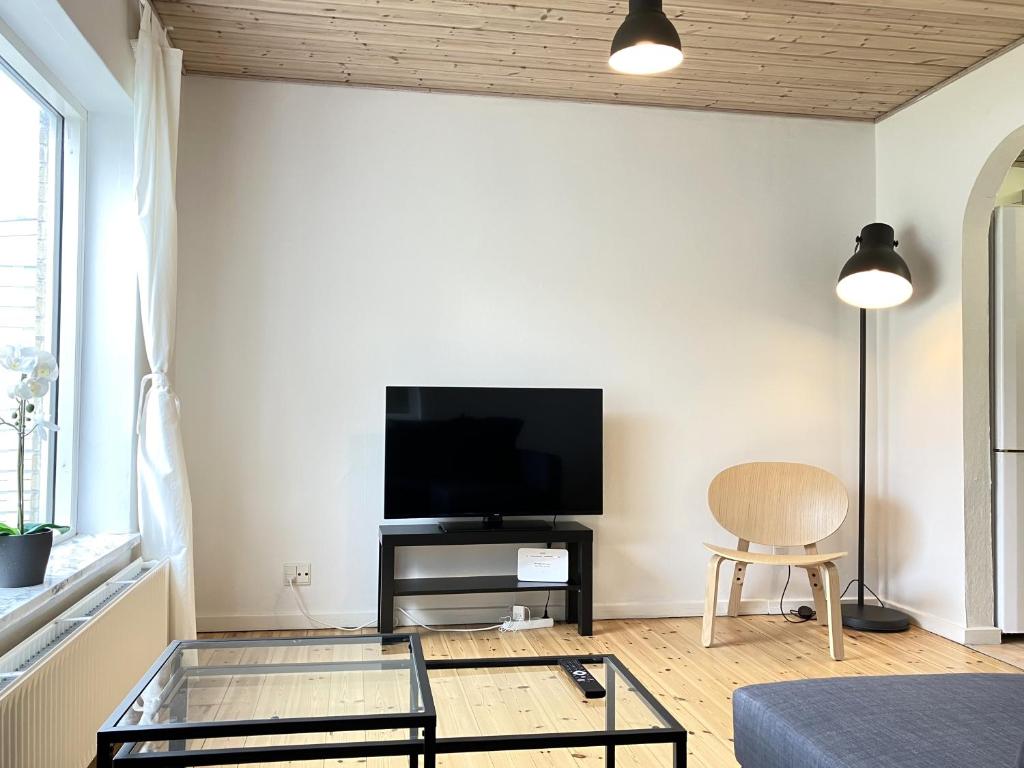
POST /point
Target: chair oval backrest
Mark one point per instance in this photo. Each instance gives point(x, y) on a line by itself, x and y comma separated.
point(777, 503)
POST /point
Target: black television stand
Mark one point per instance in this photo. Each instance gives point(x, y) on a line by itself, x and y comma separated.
point(577, 538)
point(493, 522)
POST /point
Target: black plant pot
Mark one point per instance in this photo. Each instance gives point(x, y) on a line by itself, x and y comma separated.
point(23, 559)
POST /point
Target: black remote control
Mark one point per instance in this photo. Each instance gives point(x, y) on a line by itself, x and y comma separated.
point(586, 681)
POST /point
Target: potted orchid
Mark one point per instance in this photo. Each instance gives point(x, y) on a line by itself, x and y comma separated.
point(25, 548)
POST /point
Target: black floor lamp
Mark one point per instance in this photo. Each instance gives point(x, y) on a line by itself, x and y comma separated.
point(875, 277)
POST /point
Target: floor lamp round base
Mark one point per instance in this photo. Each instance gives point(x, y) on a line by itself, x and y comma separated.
point(874, 618)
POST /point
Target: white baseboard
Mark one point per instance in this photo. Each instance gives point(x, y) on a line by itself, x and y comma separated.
point(983, 636)
point(757, 606)
point(445, 616)
point(452, 615)
point(935, 624)
point(272, 621)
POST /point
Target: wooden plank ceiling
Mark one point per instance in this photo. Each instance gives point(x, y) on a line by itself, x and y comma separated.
point(856, 59)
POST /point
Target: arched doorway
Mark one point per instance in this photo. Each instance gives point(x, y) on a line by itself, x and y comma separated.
point(978, 533)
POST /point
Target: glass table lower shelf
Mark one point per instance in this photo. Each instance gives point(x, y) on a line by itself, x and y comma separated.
point(230, 702)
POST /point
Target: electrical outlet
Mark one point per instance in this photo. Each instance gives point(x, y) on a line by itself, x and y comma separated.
point(300, 572)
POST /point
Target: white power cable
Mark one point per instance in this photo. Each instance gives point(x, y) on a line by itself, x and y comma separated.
point(418, 623)
point(507, 625)
point(314, 620)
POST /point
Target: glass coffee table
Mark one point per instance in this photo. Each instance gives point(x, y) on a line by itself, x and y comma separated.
point(235, 702)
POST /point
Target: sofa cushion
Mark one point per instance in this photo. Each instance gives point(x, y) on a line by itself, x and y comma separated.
point(905, 721)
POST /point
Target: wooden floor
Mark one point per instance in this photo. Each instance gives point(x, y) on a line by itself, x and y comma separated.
point(695, 683)
point(1011, 650)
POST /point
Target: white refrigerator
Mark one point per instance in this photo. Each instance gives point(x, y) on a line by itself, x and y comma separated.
point(1008, 412)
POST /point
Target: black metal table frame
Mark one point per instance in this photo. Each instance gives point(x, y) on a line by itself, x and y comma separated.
point(128, 736)
point(671, 733)
point(429, 746)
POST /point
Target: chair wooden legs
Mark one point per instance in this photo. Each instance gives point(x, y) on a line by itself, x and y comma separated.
point(707, 635)
point(824, 586)
point(835, 614)
point(820, 605)
point(739, 571)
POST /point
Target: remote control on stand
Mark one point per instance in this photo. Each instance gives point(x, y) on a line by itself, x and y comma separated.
point(586, 681)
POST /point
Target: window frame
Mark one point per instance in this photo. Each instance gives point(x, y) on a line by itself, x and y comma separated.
point(67, 278)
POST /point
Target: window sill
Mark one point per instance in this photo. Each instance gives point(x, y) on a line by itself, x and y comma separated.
point(72, 562)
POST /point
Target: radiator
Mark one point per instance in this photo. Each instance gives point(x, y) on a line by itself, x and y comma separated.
point(59, 685)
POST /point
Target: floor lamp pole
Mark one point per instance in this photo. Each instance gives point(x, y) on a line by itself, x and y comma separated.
point(867, 618)
point(862, 461)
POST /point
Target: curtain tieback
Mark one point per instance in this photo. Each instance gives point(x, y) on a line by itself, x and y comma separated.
point(149, 382)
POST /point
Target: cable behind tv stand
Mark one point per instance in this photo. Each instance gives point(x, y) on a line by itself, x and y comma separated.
point(494, 522)
point(578, 539)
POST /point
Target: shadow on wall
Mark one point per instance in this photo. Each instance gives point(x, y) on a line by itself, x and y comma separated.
point(623, 468)
point(923, 268)
point(891, 551)
point(629, 473)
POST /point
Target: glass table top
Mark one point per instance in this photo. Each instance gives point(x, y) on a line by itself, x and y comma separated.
point(470, 701)
point(499, 701)
point(229, 681)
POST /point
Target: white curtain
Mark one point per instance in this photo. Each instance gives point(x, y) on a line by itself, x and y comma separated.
point(165, 506)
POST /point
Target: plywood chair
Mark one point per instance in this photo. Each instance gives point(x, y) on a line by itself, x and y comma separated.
point(779, 505)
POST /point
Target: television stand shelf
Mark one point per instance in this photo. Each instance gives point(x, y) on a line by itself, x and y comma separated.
point(578, 539)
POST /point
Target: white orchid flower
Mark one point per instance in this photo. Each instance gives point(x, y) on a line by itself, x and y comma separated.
point(29, 389)
point(46, 427)
point(21, 359)
point(45, 367)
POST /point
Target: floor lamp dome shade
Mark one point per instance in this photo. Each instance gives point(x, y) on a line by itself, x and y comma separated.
point(646, 43)
point(876, 276)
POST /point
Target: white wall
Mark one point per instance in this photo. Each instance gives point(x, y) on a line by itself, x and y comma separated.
point(84, 43)
point(110, 337)
point(933, 459)
point(109, 26)
point(336, 240)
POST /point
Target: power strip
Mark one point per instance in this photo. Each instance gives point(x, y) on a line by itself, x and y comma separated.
point(514, 626)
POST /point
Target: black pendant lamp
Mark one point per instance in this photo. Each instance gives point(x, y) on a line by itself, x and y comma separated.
point(875, 277)
point(646, 43)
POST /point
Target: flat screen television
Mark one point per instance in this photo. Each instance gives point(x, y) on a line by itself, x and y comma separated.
point(492, 453)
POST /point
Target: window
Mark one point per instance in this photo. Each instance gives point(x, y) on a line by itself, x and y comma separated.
point(39, 135)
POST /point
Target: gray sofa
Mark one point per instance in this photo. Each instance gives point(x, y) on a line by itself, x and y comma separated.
point(911, 721)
